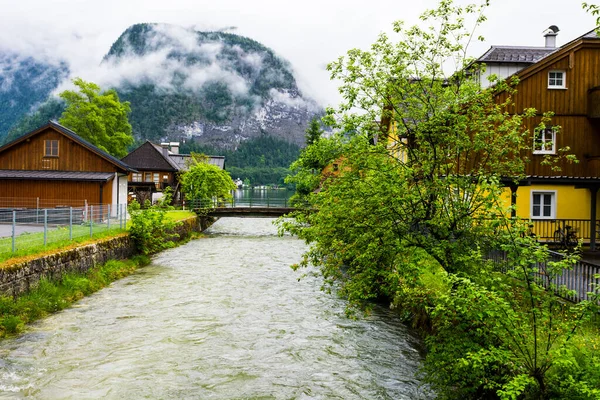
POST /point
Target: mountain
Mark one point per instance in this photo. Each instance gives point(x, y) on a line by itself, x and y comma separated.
point(213, 88)
point(25, 83)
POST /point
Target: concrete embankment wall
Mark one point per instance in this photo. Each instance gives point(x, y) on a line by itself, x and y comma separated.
point(19, 277)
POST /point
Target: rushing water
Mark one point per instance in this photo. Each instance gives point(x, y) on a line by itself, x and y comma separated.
point(222, 317)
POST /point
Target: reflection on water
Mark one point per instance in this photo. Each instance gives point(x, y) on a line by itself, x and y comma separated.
point(262, 197)
point(218, 318)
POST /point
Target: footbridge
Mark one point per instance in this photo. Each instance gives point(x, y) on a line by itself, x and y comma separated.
point(268, 208)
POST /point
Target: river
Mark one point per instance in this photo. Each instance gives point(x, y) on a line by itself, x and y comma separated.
point(223, 317)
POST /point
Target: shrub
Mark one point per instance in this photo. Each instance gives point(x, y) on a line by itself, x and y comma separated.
point(150, 230)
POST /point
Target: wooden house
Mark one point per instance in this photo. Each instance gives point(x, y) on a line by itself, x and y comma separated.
point(52, 166)
point(565, 82)
point(158, 166)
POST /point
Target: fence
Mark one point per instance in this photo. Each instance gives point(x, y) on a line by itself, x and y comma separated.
point(546, 229)
point(580, 280)
point(25, 228)
point(233, 203)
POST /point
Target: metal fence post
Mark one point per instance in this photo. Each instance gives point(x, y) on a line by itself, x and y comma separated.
point(70, 223)
point(91, 219)
point(109, 215)
point(45, 226)
point(14, 229)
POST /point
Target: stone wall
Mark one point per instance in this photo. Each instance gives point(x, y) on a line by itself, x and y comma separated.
point(19, 277)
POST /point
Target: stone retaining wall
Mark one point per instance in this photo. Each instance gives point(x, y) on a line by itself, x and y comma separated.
point(20, 277)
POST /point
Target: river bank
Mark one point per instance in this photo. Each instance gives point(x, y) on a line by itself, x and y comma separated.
point(33, 288)
point(222, 317)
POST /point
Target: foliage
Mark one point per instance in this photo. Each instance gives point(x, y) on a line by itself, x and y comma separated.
point(166, 201)
point(49, 110)
point(204, 181)
point(307, 169)
point(263, 160)
point(98, 117)
point(314, 131)
point(150, 229)
point(52, 296)
point(423, 191)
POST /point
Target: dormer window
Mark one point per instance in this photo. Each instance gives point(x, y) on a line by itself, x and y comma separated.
point(50, 148)
point(556, 80)
point(544, 141)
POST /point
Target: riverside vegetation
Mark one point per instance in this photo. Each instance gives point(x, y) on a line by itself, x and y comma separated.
point(151, 230)
point(413, 207)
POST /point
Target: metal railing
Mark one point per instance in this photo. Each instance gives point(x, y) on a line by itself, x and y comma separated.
point(545, 230)
point(580, 280)
point(237, 203)
point(24, 228)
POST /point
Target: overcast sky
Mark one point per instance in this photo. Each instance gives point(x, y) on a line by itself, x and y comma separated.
point(308, 33)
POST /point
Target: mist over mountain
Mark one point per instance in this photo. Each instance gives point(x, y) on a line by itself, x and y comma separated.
point(25, 83)
point(216, 89)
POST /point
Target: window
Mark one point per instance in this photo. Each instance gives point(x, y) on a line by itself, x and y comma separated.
point(544, 141)
point(50, 148)
point(543, 205)
point(556, 80)
point(165, 178)
point(156, 177)
point(136, 177)
point(148, 177)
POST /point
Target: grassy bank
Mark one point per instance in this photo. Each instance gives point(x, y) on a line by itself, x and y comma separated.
point(52, 296)
point(31, 245)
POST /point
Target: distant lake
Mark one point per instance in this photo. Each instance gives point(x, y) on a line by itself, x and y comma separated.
point(262, 197)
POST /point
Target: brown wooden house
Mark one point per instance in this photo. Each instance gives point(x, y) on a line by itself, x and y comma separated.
point(52, 166)
point(158, 166)
point(565, 81)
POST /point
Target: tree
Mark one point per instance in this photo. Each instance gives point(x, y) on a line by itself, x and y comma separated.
point(314, 131)
point(410, 219)
point(98, 117)
point(205, 181)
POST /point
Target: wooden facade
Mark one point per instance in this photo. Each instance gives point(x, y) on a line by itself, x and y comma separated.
point(580, 60)
point(56, 167)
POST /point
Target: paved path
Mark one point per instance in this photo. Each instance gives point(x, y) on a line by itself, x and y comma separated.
point(6, 230)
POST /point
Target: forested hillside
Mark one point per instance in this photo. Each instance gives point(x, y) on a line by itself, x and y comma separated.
point(25, 83)
point(263, 160)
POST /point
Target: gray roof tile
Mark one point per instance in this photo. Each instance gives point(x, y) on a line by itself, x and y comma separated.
point(515, 54)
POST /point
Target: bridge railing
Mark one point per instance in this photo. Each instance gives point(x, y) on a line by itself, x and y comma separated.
point(243, 202)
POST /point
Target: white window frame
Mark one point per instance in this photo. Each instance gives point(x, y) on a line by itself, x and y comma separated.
point(543, 193)
point(552, 79)
point(545, 140)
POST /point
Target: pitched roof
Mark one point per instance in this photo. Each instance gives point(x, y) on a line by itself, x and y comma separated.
point(73, 136)
point(591, 36)
point(515, 54)
point(180, 160)
point(150, 156)
point(57, 175)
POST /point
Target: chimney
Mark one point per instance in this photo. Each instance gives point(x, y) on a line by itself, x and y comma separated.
point(174, 147)
point(165, 149)
point(550, 35)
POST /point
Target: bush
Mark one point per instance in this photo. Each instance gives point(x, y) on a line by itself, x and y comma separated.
point(150, 230)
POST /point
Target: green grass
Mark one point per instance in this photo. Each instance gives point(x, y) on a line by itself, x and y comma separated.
point(32, 244)
point(178, 215)
point(52, 296)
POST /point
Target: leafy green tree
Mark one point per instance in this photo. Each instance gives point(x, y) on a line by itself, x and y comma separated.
point(429, 196)
point(314, 131)
point(98, 117)
point(205, 181)
point(150, 229)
